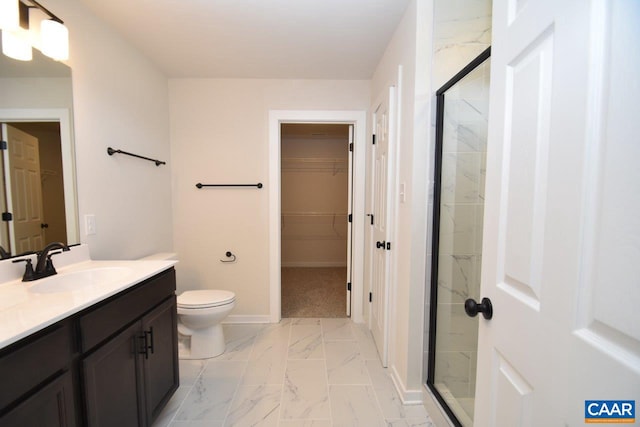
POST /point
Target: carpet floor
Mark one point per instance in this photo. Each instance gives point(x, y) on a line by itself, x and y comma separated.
point(314, 292)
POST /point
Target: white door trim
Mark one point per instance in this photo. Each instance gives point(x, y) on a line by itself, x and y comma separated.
point(358, 119)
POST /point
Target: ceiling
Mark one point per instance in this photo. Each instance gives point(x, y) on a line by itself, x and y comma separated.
point(301, 39)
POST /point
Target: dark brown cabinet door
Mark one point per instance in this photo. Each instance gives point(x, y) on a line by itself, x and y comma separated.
point(113, 381)
point(129, 379)
point(52, 406)
point(161, 359)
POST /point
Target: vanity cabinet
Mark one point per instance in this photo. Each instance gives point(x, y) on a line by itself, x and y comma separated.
point(131, 369)
point(112, 364)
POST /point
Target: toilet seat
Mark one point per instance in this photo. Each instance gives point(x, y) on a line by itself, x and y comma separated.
point(205, 298)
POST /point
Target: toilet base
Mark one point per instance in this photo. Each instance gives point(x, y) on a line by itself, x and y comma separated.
point(204, 343)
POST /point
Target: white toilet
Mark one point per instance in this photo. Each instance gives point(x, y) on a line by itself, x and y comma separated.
point(200, 314)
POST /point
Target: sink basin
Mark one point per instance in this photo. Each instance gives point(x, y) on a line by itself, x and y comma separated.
point(76, 280)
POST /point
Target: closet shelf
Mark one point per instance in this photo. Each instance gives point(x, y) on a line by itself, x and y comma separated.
point(314, 159)
point(315, 164)
point(314, 226)
point(307, 237)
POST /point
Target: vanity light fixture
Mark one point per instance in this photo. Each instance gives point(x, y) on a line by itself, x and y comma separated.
point(50, 35)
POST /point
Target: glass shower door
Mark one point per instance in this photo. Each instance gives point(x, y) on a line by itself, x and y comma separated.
point(462, 113)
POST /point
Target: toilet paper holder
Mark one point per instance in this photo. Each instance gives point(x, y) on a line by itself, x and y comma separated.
point(229, 255)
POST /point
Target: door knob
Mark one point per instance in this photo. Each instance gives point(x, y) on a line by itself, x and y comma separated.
point(380, 244)
point(472, 308)
point(44, 225)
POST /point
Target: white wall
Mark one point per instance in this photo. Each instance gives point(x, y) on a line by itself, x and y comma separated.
point(121, 100)
point(220, 134)
point(36, 92)
point(409, 49)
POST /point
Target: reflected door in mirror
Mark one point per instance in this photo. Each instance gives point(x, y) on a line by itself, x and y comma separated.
point(33, 187)
point(23, 190)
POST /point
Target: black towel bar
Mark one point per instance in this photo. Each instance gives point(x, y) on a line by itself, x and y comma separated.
point(111, 152)
point(258, 185)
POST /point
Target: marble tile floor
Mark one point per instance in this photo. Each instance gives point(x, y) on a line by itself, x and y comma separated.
point(298, 373)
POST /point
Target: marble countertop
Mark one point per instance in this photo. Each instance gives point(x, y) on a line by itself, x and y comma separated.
point(23, 310)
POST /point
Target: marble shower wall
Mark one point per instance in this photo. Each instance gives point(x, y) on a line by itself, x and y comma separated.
point(462, 30)
point(461, 221)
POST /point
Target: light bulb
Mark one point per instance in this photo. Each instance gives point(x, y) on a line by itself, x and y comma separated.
point(9, 15)
point(16, 47)
point(54, 39)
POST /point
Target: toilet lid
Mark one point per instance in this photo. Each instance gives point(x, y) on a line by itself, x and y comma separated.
point(205, 298)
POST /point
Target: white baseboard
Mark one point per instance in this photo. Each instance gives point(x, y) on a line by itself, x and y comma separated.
point(408, 397)
point(240, 318)
point(314, 264)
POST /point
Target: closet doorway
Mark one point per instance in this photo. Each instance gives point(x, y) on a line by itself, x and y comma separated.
point(316, 203)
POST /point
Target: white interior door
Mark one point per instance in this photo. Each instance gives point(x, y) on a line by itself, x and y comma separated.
point(369, 242)
point(350, 223)
point(24, 188)
point(382, 179)
point(561, 255)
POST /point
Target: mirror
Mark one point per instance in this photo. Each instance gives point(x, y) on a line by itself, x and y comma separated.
point(36, 105)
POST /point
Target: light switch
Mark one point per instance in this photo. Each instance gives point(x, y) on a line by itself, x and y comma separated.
point(90, 224)
point(402, 192)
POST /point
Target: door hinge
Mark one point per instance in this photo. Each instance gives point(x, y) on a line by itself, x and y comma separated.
point(370, 297)
point(351, 146)
point(350, 217)
point(374, 140)
point(7, 216)
point(371, 215)
point(349, 286)
point(3, 145)
point(388, 246)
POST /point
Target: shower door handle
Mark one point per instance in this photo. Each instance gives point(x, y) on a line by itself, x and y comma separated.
point(472, 308)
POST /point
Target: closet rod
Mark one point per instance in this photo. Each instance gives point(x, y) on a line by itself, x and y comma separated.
point(111, 152)
point(258, 185)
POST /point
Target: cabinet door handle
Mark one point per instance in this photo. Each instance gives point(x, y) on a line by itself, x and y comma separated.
point(149, 334)
point(145, 347)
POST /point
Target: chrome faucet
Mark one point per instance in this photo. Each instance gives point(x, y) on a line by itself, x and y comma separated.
point(44, 265)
